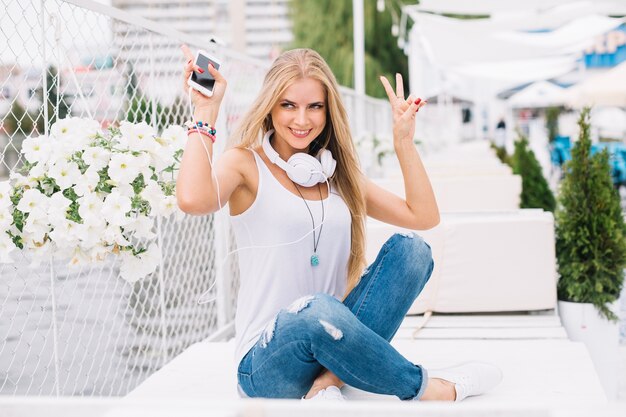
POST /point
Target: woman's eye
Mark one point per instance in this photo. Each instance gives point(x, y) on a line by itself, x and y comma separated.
point(287, 105)
point(317, 106)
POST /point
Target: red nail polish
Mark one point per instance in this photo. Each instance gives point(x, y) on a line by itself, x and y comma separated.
point(200, 70)
point(211, 65)
point(418, 101)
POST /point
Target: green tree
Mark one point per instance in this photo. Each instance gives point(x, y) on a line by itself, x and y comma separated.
point(18, 120)
point(535, 190)
point(552, 122)
point(326, 26)
point(590, 229)
point(55, 98)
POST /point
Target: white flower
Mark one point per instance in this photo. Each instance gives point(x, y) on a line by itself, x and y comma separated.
point(153, 194)
point(75, 131)
point(32, 200)
point(96, 157)
point(175, 136)
point(88, 182)
point(5, 219)
point(124, 168)
point(167, 206)
point(58, 205)
point(141, 227)
point(34, 231)
point(20, 180)
point(5, 194)
point(66, 233)
point(6, 247)
point(65, 174)
point(137, 137)
point(36, 149)
point(115, 208)
point(112, 235)
point(134, 268)
point(98, 253)
point(91, 234)
point(90, 208)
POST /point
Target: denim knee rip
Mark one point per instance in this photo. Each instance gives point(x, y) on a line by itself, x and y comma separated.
point(295, 307)
point(410, 235)
point(334, 332)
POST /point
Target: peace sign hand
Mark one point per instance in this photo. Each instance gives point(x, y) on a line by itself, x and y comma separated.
point(403, 110)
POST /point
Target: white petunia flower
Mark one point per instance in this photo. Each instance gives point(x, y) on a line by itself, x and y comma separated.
point(31, 200)
point(65, 174)
point(112, 235)
point(168, 206)
point(5, 220)
point(87, 182)
point(96, 157)
point(91, 234)
point(153, 194)
point(124, 168)
point(20, 180)
point(58, 205)
point(138, 137)
point(5, 194)
point(6, 247)
point(36, 149)
point(134, 268)
point(34, 231)
point(141, 226)
point(175, 136)
point(67, 234)
point(90, 208)
point(75, 131)
point(99, 253)
point(115, 208)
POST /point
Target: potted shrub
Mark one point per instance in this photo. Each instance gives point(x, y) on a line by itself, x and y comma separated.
point(591, 253)
point(536, 192)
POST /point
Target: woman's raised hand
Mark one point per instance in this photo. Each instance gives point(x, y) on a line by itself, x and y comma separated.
point(403, 110)
point(200, 100)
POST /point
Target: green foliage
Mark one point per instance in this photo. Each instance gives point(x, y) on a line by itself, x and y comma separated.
point(18, 120)
point(552, 122)
point(535, 190)
point(590, 229)
point(56, 103)
point(326, 26)
point(502, 154)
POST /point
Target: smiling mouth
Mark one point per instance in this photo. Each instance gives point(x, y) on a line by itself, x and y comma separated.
point(300, 133)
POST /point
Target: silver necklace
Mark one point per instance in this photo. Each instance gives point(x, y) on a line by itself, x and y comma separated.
point(315, 260)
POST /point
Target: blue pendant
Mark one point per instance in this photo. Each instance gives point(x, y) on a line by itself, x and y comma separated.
point(315, 261)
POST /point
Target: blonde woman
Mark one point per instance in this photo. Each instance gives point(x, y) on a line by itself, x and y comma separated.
point(310, 317)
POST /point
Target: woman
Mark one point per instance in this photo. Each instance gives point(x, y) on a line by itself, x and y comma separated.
point(302, 245)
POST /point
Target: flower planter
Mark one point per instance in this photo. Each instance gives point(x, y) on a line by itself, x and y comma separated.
point(583, 323)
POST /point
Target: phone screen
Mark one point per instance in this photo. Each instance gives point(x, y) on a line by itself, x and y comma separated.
point(206, 80)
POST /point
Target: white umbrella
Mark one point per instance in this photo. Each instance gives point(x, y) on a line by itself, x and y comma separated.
point(537, 95)
point(609, 121)
point(606, 89)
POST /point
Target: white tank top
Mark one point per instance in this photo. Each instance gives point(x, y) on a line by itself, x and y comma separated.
point(272, 278)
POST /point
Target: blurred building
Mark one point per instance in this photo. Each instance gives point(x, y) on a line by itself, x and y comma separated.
point(259, 28)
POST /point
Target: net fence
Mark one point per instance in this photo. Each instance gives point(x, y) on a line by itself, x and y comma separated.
point(82, 330)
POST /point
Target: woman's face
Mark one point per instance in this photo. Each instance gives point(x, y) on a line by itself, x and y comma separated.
point(299, 116)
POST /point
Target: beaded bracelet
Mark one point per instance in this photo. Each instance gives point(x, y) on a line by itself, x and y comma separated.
point(200, 125)
point(202, 131)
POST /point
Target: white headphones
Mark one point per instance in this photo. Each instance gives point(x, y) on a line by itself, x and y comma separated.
point(302, 168)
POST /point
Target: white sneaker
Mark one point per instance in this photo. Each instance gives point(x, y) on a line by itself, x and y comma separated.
point(471, 378)
point(331, 393)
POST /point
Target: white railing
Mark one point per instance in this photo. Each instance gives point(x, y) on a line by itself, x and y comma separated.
point(85, 331)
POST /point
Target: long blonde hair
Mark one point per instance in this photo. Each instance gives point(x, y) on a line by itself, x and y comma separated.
point(287, 68)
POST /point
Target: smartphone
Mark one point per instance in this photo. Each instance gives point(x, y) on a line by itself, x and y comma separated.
point(204, 82)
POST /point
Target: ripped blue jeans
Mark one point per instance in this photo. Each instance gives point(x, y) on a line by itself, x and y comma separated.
point(351, 339)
